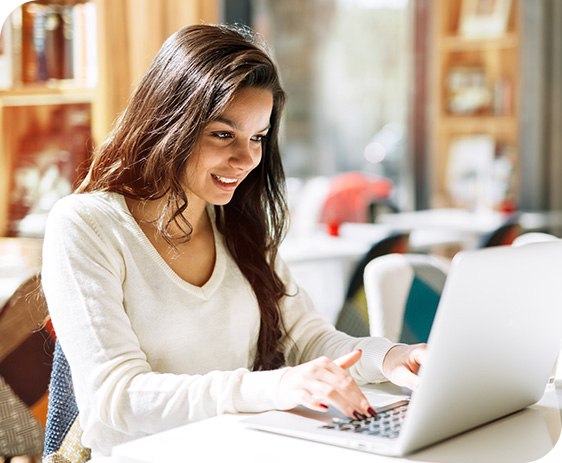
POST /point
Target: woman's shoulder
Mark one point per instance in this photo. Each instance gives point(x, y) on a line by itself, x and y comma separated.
point(89, 202)
point(88, 207)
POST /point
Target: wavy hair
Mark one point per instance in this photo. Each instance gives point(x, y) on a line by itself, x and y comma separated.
point(190, 82)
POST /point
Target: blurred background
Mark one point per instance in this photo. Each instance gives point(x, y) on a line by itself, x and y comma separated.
point(414, 129)
point(440, 120)
point(456, 103)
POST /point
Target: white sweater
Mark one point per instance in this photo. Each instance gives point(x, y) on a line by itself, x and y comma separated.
point(149, 351)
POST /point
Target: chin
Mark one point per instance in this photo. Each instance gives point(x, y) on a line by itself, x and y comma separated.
point(221, 201)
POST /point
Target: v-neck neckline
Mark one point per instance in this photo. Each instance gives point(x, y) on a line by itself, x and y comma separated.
point(212, 284)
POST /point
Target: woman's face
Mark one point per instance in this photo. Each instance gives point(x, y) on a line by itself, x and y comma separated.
point(229, 148)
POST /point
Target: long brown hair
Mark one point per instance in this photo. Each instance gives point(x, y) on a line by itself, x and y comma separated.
point(190, 82)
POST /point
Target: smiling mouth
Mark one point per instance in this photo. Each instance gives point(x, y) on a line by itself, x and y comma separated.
point(225, 180)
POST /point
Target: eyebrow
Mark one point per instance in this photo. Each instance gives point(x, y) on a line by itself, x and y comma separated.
point(234, 125)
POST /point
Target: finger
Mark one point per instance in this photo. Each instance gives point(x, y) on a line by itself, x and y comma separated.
point(417, 358)
point(337, 399)
point(348, 360)
point(312, 402)
point(405, 377)
point(332, 385)
point(341, 392)
point(350, 391)
point(420, 354)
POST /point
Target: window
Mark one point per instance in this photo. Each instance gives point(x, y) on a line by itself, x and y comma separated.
point(344, 65)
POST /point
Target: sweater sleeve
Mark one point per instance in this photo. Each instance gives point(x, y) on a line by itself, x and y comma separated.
point(309, 336)
point(116, 389)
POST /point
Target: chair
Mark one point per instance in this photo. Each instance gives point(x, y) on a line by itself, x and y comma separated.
point(403, 292)
point(533, 237)
point(38, 412)
point(384, 206)
point(503, 235)
point(353, 318)
point(63, 434)
point(26, 348)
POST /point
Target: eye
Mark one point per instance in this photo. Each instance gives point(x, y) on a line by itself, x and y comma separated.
point(258, 138)
point(222, 135)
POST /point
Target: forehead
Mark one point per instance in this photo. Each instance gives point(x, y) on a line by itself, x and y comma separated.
point(249, 106)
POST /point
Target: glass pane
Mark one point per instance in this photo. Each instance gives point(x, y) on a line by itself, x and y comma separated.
point(344, 65)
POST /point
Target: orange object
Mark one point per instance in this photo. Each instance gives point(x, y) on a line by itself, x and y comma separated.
point(350, 195)
point(333, 229)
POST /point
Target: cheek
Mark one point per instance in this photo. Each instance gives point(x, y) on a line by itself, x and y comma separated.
point(258, 168)
point(190, 169)
point(258, 156)
point(194, 168)
point(202, 159)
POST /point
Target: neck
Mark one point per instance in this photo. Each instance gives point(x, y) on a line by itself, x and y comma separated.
point(149, 212)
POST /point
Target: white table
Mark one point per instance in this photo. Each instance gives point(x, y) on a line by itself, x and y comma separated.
point(432, 227)
point(528, 435)
point(444, 226)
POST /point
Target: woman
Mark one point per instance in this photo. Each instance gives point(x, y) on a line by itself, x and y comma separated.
point(161, 273)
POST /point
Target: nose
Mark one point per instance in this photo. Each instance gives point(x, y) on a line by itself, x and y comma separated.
point(245, 156)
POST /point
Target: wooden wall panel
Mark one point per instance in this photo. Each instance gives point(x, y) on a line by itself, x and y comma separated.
point(130, 34)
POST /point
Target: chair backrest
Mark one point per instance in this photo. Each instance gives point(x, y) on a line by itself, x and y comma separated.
point(403, 292)
point(503, 235)
point(353, 318)
point(63, 433)
point(26, 347)
point(533, 237)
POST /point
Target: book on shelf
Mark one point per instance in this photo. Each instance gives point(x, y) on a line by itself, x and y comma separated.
point(503, 97)
point(12, 28)
point(79, 25)
point(30, 15)
point(52, 42)
point(84, 43)
point(6, 77)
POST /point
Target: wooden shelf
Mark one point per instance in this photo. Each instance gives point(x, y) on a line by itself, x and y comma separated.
point(54, 94)
point(66, 113)
point(481, 77)
point(452, 43)
point(474, 124)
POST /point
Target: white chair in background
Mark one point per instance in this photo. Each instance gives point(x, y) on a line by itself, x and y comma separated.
point(533, 237)
point(403, 291)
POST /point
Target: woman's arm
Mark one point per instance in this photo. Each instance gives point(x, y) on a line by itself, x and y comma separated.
point(320, 381)
point(310, 336)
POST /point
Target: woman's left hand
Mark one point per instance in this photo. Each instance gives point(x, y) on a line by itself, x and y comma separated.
point(402, 363)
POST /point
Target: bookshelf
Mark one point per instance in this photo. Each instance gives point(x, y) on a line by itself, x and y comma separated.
point(477, 88)
point(67, 68)
point(48, 68)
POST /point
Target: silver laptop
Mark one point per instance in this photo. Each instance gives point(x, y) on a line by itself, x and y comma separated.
point(491, 350)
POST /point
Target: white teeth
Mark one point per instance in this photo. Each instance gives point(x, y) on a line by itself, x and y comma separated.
point(225, 180)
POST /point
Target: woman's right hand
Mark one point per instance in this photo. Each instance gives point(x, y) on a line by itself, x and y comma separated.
point(323, 382)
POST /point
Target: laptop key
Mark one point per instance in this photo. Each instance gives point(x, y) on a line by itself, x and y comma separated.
point(387, 423)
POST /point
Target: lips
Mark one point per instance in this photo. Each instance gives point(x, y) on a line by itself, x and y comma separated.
point(228, 184)
point(225, 180)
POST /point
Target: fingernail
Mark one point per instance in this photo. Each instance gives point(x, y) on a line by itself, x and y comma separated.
point(324, 406)
point(372, 412)
point(359, 416)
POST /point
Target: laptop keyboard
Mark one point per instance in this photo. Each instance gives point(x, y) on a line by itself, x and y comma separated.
point(387, 423)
